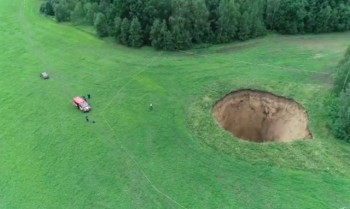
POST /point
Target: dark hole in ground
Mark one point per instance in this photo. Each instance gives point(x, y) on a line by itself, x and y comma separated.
point(261, 117)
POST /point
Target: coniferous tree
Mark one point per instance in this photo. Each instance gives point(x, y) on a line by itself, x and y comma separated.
point(47, 8)
point(341, 116)
point(342, 74)
point(244, 27)
point(252, 18)
point(333, 19)
point(124, 31)
point(135, 37)
point(180, 34)
point(339, 108)
point(290, 16)
point(199, 21)
point(168, 41)
point(344, 17)
point(155, 35)
point(310, 17)
point(212, 6)
point(325, 15)
point(62, 12)
point(154, 9)
point(101, 25)
point(180, 24)
point(227, 21)
point(78, 13)
point(301, 15)
point(166, 37)
point(117, 25)
point(272, 7)
point(90, 9)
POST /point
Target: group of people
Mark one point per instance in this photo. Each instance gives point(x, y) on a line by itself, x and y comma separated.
point(88, 96)
point(87, 119)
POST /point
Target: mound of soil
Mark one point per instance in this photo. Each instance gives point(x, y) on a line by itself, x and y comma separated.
point(261, 116)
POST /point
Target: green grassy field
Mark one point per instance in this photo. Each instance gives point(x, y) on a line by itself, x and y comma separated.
point(175, 156)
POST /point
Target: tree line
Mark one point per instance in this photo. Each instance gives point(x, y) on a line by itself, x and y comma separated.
point(180, 24)
point(340, 102)
point(307, 16)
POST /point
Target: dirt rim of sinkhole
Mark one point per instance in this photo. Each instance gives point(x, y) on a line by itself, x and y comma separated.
point(259, 116)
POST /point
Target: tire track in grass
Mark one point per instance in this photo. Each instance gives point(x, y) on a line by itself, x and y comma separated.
point(42, 57)
point(274, 68)
point(45, 65)
point(154, 187)
point(35, 48)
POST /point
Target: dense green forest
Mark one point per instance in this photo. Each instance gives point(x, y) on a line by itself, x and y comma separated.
point(179, 24)
point(340, 103)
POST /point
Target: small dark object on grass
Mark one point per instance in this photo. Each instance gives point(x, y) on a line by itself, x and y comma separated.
point(151, 107)
point(87, 118)
point(88, 96)
point(93, 121)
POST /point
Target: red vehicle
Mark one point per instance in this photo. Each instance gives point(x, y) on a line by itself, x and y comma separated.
point(81, 104)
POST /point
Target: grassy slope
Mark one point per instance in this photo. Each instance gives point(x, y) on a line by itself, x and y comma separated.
point(172, 157)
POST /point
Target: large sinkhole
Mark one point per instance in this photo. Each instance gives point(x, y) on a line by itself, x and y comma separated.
point(262, 117)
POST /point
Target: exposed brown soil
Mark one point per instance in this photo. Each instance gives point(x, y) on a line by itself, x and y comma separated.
point(261, 116)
